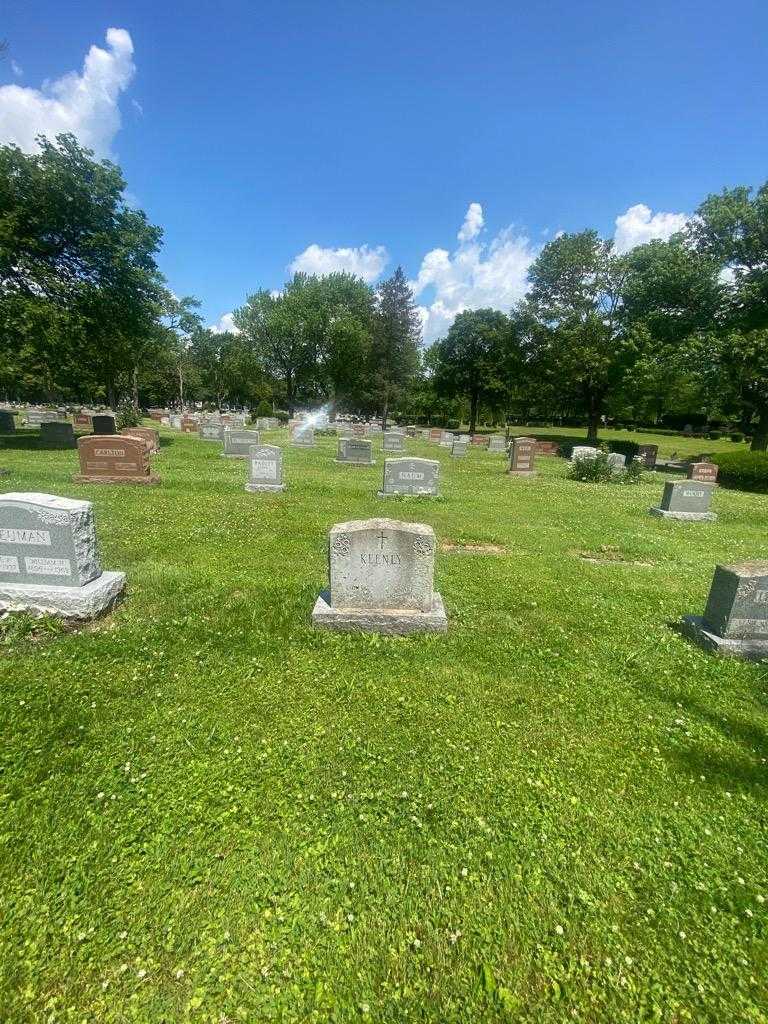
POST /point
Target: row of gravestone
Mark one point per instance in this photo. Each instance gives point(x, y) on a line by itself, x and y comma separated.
point(381, 577)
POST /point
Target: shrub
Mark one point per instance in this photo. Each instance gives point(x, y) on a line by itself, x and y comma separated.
point(453, 425)
point(262, 409)
point(736, 435)
point(628, 448)
point(127, 415)
point(743, 471)
point(598, 471)
point(715, 435)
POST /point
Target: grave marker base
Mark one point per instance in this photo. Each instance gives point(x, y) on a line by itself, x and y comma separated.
point(343, 462)
point(400, 494)
point(393, 621)
point(272, 488)
point(86, 602)
point(686, 517)
point(521, 472)
point(149, 481)
point(751, 650)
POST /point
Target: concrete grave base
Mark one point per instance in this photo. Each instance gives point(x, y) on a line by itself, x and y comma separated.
point(394, 622)
point(87, 602)
point(343, 462)
point(397, 494)
point(751, 650)
point(521, 472)
point(228, 455)
point(687, 517)
point(271, 488)
point(148, 481)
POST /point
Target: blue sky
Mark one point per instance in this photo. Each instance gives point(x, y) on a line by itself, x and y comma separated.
point(265, 136)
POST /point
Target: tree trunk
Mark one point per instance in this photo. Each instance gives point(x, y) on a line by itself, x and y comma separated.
point(136, 388)
point(593, 414)
point(474, 401)
point(111, 393)
point(289, 394)
point(385, 413)
point(760, 436)
point(181, 387)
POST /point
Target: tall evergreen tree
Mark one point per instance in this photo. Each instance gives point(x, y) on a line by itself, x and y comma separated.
point(395, 342)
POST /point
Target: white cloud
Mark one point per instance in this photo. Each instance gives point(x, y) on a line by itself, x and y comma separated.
point(475, 276)
point(473, 223)
point(225, 322)
point(638, 225)
point(84, 104)
point(364, 261)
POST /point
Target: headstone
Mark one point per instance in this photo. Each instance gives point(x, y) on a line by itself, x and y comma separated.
point(410, 430)
point(355, 451)
point(114, 459)
point(446, 439)
point(459, 449)
point(49, 561)
point(687, 500)
point(303, 436)
point(265, 468)
point(83, 419)
point(35, 417)
point(157, 414)
point(165, 421)
point(103, 424)
point(188, 425)
point(735, 620)
point(211, 432)
point(522, 457)
point(358, 430)
point(583, 451)
point(149, 435)
point(435, 434)
point(175, 421)
point(617, 462)
point(479, 440)
point(648, 453)
point(424, 435)
point(547, 448)
point(411, 476)
point(262, 423)
point(381, 579)
point(705, 471)
point(7, 422)
point(392, 441)
point(57, 435)
point(238, 443)
point(497, 444)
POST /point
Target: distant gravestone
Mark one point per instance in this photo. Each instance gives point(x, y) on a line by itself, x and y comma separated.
point(265, 468)
point(648, 453)
point(35, 417)
point(686, 500)
point(420, 477)
point(381, 580)
point(157, 414)
point(497, 444)
point(583, 451)
point(410, 430)
point(303, 436)
point(446, 439)
point(522, 455)
point(435, 434)
point(392, 441)
point(7, 422)
point(211, 432)
point(103, 424)
point(83, 419)
point(547, 448)
point(149, 435)
point(735, 620)
point(114, 459)
point(188, 425)
point(459, 449)
point(49, 561)
point(175, 421)
point(479, 440)
point(616, 462)
point(355, 451)
point(238, 443)
point(704, 471)
point(57, 435)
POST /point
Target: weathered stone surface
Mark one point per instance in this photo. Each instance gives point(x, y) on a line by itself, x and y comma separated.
point(686, 500)
point(703, 471)
point(479, 440)
point(265, 469)
point(617, 462)
point(355, 451)
point(446, 439)
point(103, 424)
point(211, 432)
point(149, 435)
point(522, 457)
point(47, 540)
point(393, 441)
point(303, 436)
point(57, 435)
point(114, 459)
point(238, 443)
point(459, 449)
point(34, 417)
point(648, 453)
point(435, 434)
point(583, 451)
point(86, 602)
point(7, 422)
point(735, 620)
point(419, 477)
point(381, 576)
point(497, 444)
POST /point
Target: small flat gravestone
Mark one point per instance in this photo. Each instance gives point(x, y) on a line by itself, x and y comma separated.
point(459, 449)
point(114, 459)
point(687, 500)
point(381, 580)
point(7, 422)
point(735, 620)
point(211, 432)
point(303, 436)
point(265, 468)
point(57, 435)
point(238, 443)
point(355, 451)
point(705, 471)
point(497, 444)
point(149, 435)
point(103, 424)
point(392, 441)
point(49, 560)
point(522, 457)
point(419, 477)
point(648, 453)
point(617, 462)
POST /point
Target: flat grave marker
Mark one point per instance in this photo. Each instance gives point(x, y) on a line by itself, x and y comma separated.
point(411, 476)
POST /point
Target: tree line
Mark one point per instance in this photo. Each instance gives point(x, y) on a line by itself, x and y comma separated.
point(671, 331)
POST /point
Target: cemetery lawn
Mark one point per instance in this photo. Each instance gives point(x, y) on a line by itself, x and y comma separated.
point(556, 812)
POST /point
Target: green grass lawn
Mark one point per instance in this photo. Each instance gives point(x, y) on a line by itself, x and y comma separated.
point(557, 812)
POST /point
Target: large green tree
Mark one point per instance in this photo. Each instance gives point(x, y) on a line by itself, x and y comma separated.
point(395, 343)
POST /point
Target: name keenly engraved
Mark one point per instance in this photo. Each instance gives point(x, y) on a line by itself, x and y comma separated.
point(42, 537)
point(378, 557)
